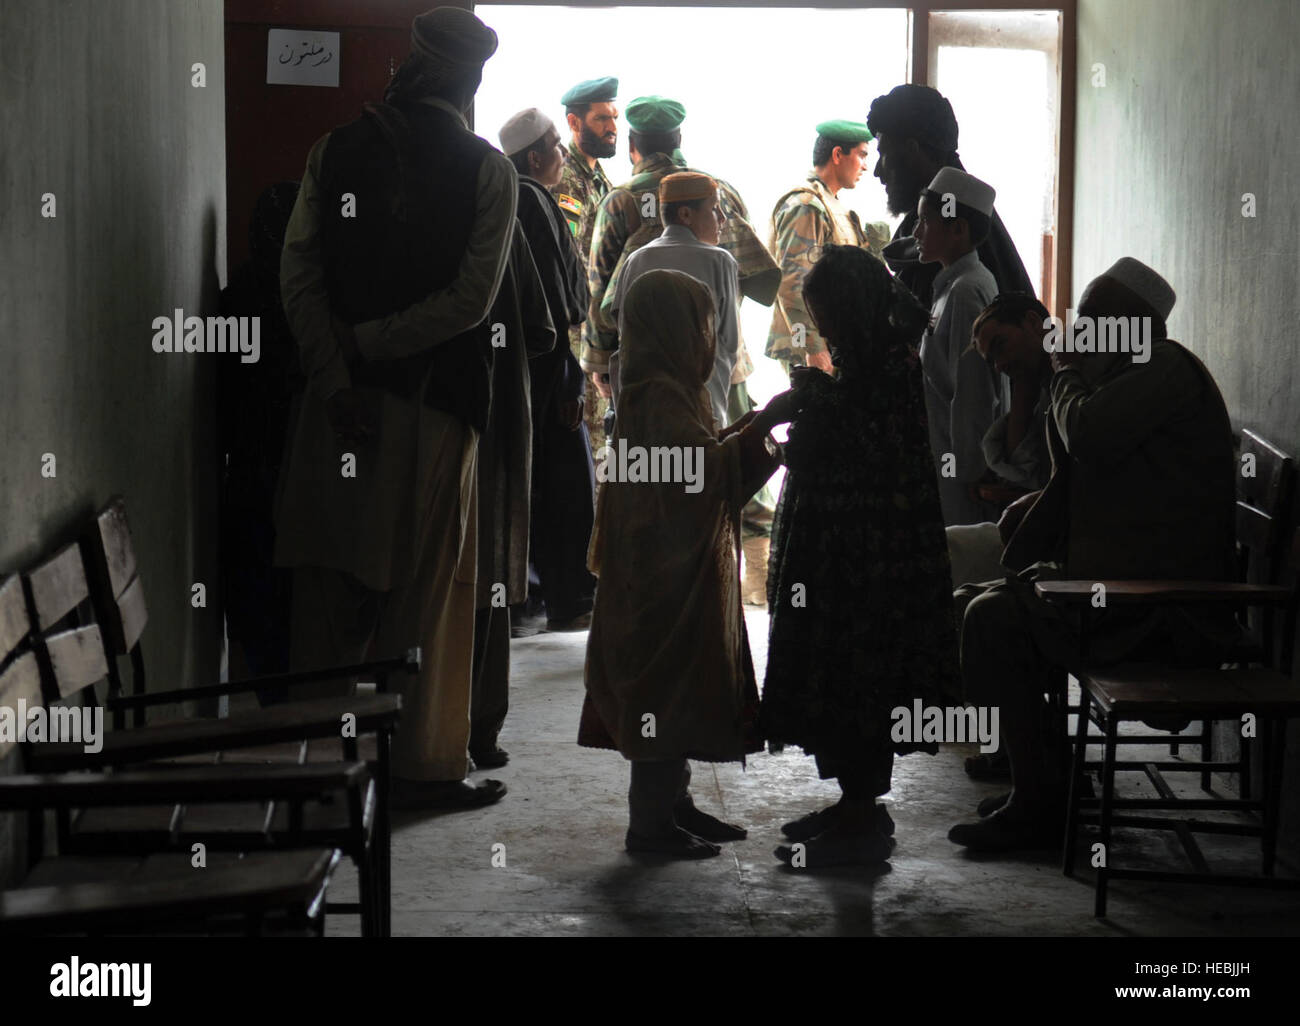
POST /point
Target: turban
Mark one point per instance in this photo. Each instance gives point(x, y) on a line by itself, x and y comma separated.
point(452, 38)
point(915, 112)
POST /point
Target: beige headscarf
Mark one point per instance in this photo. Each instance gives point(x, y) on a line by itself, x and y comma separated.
point(666, 635)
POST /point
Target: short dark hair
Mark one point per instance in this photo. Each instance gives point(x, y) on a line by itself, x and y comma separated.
point(580, 109)
point(824, 149)
point(520, 158)
point(668, 212)
point(1010, 308)
point(647, 143)
point(977, 221)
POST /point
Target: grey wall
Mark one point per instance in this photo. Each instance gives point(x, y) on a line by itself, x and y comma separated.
point(97, 107)
point(1199, 108)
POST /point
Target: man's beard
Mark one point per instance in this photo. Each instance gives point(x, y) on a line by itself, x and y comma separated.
point(902, 197)
point(594, 145)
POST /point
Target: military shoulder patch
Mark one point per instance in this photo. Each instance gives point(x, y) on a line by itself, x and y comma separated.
point(569, 204)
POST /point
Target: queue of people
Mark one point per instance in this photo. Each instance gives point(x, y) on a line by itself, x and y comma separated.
point(439, 486)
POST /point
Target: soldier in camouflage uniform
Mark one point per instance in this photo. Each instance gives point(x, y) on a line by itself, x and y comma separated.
point(629, 218)
point(804, 220)
point(593, 127)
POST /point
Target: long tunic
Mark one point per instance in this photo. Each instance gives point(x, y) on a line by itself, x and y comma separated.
point(366, 525)
point(505, 450)
point(963, 394)
point(858, 585)
point(678, 249)
point(1143, 486)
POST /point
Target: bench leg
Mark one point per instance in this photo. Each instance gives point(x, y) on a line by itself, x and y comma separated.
point(1076, 778)
point(1107, 797)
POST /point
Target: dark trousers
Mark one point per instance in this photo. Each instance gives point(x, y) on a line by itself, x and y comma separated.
point(562, 516)
point(657, 786)
point(490, 696)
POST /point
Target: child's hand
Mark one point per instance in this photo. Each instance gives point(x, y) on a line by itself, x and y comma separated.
point(781, 410)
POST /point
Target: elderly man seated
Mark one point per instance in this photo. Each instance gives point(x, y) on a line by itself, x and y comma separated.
point(1142, 487)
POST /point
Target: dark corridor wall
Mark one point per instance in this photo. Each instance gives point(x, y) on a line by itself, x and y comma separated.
point(98, 108)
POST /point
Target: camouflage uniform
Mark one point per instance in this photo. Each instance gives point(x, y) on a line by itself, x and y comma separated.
point(629, 218)
point(579, 193)
point(803, 221)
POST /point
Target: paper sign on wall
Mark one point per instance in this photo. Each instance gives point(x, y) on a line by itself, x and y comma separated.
point(296, 57)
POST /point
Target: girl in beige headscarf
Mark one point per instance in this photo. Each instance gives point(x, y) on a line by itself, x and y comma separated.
point(668, 673)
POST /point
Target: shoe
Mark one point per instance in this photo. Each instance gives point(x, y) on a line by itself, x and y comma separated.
point(526, 625)
point(445, 794)
point(999, 832)
point(994, 802)
point(679, 845)
point(807, 827)
point(704, 826)
point(581, 622)
point(829, 850)
point(490, 758)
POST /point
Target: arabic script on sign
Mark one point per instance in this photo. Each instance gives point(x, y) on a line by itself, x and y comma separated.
point(297, 57)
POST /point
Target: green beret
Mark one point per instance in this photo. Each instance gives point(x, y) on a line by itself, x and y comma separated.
point(845, 131)
point(594, 90)
point(654, 114)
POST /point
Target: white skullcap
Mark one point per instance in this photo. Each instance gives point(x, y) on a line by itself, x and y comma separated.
point(1143, 282)
point(965, 189)
point(524, 129)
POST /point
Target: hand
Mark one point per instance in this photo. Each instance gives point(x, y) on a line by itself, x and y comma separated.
point(822, 361)
point(780, 410)
point(1014, 514)
point(802, 377)
point(571, 414)
point(352, 418)
point(739, 425)
point(347, 340)
point(1062, 360)
point(602, 386)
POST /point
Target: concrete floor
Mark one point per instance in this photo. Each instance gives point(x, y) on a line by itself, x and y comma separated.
point(566, 873)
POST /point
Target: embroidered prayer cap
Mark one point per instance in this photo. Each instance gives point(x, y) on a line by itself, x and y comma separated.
point(594, 90)
point(1143, 282)
point(965, 188)
point(654, 114)
point(452, 37)
point(845, 131)
point(684, 186)
point(915, 112)
point(524, 129)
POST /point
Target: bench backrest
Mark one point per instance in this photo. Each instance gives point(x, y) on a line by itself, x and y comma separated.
point(20, 679)
point(70, 654)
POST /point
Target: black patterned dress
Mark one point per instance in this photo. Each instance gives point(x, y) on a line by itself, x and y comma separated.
point(859, 586)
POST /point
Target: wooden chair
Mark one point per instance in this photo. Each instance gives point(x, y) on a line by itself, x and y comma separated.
point(1113, 696)
point(1262, 511)
point(61, 894)
point(73, 659)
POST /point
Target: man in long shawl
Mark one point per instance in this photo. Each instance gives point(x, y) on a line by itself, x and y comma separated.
point(859, 587)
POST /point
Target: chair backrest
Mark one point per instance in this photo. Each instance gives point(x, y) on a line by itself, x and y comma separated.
point(116, 590)
point(1265, 483)
point(19, 676)
point(71, 658)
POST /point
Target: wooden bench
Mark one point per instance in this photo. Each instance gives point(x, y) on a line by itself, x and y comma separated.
point(61, 893)
point(73, 657)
